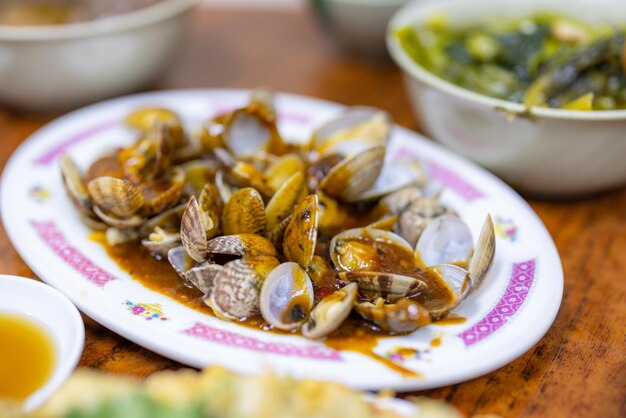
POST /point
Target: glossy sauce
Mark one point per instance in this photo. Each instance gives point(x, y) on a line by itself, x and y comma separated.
point(27, 356)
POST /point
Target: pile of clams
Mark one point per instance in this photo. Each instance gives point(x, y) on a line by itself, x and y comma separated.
point(304, 235)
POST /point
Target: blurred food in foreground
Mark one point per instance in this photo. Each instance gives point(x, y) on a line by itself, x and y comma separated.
point(54, 12)
point(542, 60)
point(218, 393)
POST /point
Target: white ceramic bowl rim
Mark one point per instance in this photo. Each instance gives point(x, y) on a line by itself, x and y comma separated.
point(125, 21)
point(66, 360)
point(404, 60)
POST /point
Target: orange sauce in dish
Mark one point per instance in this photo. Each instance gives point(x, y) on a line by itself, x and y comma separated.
point(27, 356)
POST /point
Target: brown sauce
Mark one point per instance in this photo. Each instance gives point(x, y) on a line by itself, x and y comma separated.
point(452, 319)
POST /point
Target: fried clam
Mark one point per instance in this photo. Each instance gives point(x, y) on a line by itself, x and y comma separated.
point(286, 297)
point(235, 294)
point(162, 232)
point(281, 205)
point(116, 202)
point(301, 233)
point(283, 168)
point(200, 275)
point(457, 287)
point(163, 193)
point(201, 222)
point(199, 172)
point(77, 192)
point(242, 245)
point(417, 215)
point(394, 176)
point(396, 202)
point(354, 174)
point(160, 241)
point(253, 128)
point(330, 312)
point(448, 240)
point(357, 127)
point(402, 317)
point(244, 213)
point(115, 236)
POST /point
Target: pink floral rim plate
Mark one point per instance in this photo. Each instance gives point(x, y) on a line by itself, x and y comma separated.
point(511, 311)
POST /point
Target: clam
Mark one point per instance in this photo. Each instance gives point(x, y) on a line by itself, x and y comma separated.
point(164, 193)
point(115, 196)
point(242, 245)
point(324, 277)
point(286, 297)
point(180, 260)
point(354, 174)
point(75, 186)
point(160, 241)
point(277, 235)
point(371, 250)
point(403, 316)
point(244, 213)
point(116, 236)
point(225, 188)
point(235, 292)
point(483, 257)
point(330, 312)
point(253, 128)
point(282, 203)
point(418, 215)
point(446, 240)
point(385, 223)
point(282, 169)
point(146, 118)
point(395, 203)
point(193, 230)
point(388, 286)
point(134, 221)
point(168, 220)
point(394, 176)
point(301, 233)
point(203, 277)
point(198, 173)
point(457, 286)
point(357, 126)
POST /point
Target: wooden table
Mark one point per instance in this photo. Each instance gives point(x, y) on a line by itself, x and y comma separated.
point(577, 369)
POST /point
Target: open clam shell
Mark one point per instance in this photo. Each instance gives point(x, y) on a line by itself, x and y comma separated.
point(446, 240)
point(193, 230)
point(75, 186)
point(160, 195)
point(236, 288)
point(282, 203)
point(404, 316)
point(483, 257)
point(134, 221)
point(354, 174)
point(358, 125)
point(459, 286)
point(167, 220)
point(244, 213)
point(180, 260)
point(115, 196)
point(160, 241)
point(286, 297)
point(350, 250)
point(282, 168)
point(389, 286)
point(393, 176)
point(203, 277)
point(301, 234)
point(417, 215)
point(330, 312)
point(241, 245)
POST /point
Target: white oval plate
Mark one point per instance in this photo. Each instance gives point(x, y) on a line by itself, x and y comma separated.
point(505, 317)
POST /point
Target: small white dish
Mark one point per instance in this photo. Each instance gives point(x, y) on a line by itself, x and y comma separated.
point(59, 317)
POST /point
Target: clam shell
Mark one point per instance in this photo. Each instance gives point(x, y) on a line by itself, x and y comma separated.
point(346, 262)
point(180, 260)
point(395, 203)
point(282, 169)
point(115, 196)
point(357, 125)
point(394, 176)
point(134, 221)
point(225, 188)
point(282, 203)
point(211, 204)
point(483, 257)
point(417, 216)
point(301, 234)
point(241, 245)
point(330, 312)
point(244, 213)
point(116, 236)
point(404, 316)
point(167, 220)
point(446, 240)
point(193, 230)
point(236, 288)
point(75, 186)
point(248, 175)
point(162, 194)
point(277, 235)
point(459, 284)
point(146, 118)
point(159, 242)
point(354, 174)
point(203, 277)
point(286, 297)
point(198, 173)
point(388, 286)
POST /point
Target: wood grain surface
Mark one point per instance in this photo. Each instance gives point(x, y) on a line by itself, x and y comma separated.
point(577, 370)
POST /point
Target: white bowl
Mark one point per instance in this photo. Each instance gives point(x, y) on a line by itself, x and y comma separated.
point(359, 25)
point(57, 314)
point(55, 68)
point(544, 151)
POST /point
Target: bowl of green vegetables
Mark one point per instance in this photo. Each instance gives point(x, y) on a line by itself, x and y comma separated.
point(535, 90)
